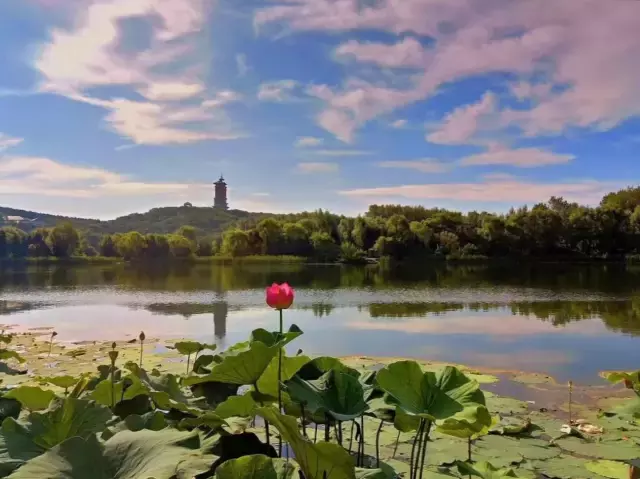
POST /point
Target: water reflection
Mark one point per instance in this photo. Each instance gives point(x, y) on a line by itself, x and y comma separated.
point(567, 320)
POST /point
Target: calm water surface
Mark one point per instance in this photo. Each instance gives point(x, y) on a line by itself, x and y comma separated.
point(568, 320)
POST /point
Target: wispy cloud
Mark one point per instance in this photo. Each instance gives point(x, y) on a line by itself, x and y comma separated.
point(308, 141)
point(7, 142)
point(502, 191)
point(242, 65)
point(177, 105)
point(426, 165)
point(518, 157)
point(579, 52)
point(398, 124)
point(317, 167)
point(278, 91)
point(341, 152)
point(463, 124)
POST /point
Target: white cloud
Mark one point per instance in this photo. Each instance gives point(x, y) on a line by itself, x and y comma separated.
point(21, 175)
point(462, 124)
point(503, 191)
point(340, 152)
point(317, 167)
point(426, 165)
point(307, 141)
point(277, 91)
point(583, 55)
point(519, 157)
point(7, 142)
point(399, 124)
point(177, 105)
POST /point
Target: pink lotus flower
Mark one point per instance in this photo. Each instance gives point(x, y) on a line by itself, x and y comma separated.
point(280, 296)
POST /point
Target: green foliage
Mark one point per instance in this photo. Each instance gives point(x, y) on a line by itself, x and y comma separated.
point(256, 467)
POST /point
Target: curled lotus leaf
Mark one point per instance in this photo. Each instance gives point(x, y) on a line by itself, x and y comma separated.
point(165, 454)
point(323, 364)
point(256, 466)
point(471, 423)
point(241, 366)
point(31, 397)
point(240, 406)
point(317, 461)
point(433, 396)
point(268, 382)
point(9, 354)
point(274, 338)
point(335, 393)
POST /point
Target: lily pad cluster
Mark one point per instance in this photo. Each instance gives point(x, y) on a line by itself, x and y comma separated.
point(220, 419)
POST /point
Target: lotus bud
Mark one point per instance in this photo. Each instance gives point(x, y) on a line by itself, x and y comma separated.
point(280, 296)
point(113, 345)
point(142, 337)
point(113, 355)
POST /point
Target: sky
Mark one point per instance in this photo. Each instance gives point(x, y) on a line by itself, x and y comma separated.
point(109, 107)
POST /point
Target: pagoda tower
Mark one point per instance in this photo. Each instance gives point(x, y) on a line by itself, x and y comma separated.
point(220, 198)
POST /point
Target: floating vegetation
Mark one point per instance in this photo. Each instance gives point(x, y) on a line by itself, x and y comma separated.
point(252, 411)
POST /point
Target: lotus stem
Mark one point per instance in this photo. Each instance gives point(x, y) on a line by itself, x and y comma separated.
point(395, 449)
point(53, 335)
point(315, 434)
point(361, 450)
point(570, 400)
point(340, 432)
point(327, 429)
point(413, 450)
point(304, 426)
point(188, 362)
point(142, 337)
point(351, 437)
point(378, 443)
point(266, 423)
point(279, 381)
point(358, 436)
point(420, 438)
point(424, 448)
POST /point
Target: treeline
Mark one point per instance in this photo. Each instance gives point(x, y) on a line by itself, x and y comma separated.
point(556, 229)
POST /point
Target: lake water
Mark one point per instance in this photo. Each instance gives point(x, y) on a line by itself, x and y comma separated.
point(570, 321)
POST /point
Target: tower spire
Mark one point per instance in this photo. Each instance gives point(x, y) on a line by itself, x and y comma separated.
point(220, 194)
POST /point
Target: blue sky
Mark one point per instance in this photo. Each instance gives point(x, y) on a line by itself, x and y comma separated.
point(114, 106)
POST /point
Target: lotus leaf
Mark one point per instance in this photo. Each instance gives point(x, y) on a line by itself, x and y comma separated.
point(610, 469)
point(484, 470)
point(233, 446)
point(614, 450)
point(404, 422)
point(433, 396)
point(563, 467)
point(317, 461)
point(335, 393)
point(164, 454)
point(154, 421)
point(242, 406)
point(470, 424)
point(192, 347)
point(256, 467)
point(508, 426)
point(318, 366)
point(268, 382)
point(616, 377)
point(8, 354)
point(108, 393)
point(500, 447)
point(242, 366)
point(275, 338)
point(213, 392)
point(64, 382)
point(208, 419)
point(16, 448)
point(31, 397)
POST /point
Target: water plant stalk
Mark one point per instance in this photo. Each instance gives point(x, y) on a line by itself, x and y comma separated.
point(378, 443)
point(395, 449)
point(302, 421)
point(413, 451)
point(142, 337)
point(570, 400)
point(266, 423)
point(424, 448)
point(351, 437)
point(361, 450)
point(315, 434)
point(280, 381)
point(53, 335)
point(327, 428)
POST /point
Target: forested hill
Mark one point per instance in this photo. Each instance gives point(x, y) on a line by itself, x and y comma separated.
point(158, 220)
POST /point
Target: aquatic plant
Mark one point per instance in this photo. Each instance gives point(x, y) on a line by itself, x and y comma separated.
point(280, 297)
point(141, 337)
point(53, 335)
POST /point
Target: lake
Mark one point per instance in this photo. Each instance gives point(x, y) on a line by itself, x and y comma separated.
point(570, 321)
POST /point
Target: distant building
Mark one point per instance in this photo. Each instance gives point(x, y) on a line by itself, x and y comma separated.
point(220, 197)
point(18, 221)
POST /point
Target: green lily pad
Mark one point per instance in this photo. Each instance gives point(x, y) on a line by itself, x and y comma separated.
point(154, 421)
point(268, 382)
point(241, 366)
point(241, 406)
point(127, 455)
point(64, 382)
point(274, 338)
point(317, 461)
point(318, 366)
point(256, 467)
point(31, 397)
point(613, 450)
point(610, 469)
point(563, 467)
point(471, 423)
point(503, 446)
point(9, 354)
point(434, 396)
point(192, 347)
point(335, 393)
point(484, 470)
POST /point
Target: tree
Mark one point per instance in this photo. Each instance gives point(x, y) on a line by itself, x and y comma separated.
point(188, 232)
point(180, 246)
point(324, 248)
point(107, 247)
point(130, 245)
point(235, 242)
point(63, 240)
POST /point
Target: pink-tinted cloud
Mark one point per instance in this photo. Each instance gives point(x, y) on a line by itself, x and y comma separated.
point(584, 51)
point(461, 125)
point(519, 157)
point(492, 190)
